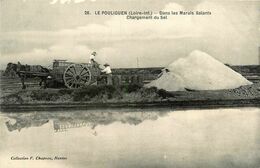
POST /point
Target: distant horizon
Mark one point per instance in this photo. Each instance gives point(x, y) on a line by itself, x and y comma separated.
point(144, 67)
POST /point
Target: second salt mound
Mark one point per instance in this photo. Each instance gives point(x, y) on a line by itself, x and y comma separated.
point(199, 71)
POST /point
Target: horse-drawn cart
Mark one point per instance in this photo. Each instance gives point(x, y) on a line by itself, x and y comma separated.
point(72, 75)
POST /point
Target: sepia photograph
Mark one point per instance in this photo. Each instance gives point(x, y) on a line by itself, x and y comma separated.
point(133, 83)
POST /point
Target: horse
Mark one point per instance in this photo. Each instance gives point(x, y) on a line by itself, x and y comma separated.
point(27, 71)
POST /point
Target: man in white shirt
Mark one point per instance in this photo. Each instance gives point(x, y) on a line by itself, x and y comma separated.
point(92, 58)
point(107, 69)
point(108, 72)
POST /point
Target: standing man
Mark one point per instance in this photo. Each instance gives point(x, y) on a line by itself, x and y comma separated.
point(108, 72)
point(92, 58)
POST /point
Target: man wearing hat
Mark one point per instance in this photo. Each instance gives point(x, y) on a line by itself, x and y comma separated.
point(108, 72)
point(92, 58)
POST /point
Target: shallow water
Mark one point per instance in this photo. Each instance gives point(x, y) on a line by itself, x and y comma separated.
point(132, 138)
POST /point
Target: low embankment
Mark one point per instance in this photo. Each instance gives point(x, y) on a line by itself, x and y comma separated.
point(128, 96)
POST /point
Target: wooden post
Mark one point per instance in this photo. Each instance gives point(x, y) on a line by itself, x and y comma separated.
point(109, 79)
point(119, 80)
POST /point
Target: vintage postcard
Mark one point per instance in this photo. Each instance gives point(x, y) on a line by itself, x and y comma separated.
point(133, 83)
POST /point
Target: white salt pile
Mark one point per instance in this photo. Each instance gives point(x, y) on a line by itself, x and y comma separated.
point(198, 71)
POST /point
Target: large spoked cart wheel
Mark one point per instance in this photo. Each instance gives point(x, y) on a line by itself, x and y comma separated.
point(77, 76)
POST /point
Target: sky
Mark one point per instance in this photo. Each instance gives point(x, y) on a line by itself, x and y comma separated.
point(39, 31)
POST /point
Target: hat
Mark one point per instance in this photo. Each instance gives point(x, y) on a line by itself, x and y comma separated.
point(106, 64)
point(94, 53)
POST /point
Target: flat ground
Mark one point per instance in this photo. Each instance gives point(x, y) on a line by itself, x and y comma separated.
point(11, 93)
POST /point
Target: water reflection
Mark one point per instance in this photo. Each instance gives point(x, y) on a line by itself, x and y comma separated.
point(62, 121)
point(217, 138)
